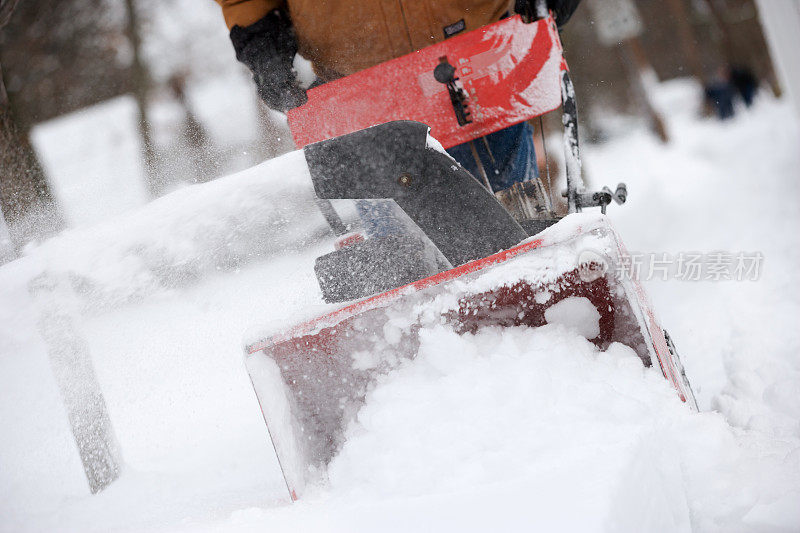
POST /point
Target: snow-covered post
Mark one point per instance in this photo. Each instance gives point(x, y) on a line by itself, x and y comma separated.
point(141, 91)
point(73, 371)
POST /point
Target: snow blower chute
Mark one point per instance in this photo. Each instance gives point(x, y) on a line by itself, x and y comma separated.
point(467, 260)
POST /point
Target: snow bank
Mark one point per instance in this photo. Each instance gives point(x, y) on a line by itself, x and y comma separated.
point(512, 431)
point(721, 187)
point(502, 410)
point(183, 236)
point(537, 430)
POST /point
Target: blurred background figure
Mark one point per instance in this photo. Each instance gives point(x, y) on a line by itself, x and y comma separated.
point(726, 86)
point(744, 82)
point(720, 92)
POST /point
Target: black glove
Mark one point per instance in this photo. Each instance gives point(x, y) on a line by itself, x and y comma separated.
point(562, 9)
point(268, 47)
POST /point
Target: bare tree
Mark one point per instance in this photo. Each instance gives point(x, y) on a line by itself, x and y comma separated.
point(6, 247)
point(23, 188)
point(687, 41)
point(742, 44)
point(141, 90)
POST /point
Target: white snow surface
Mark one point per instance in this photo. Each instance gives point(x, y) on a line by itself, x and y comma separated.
point(506, 430)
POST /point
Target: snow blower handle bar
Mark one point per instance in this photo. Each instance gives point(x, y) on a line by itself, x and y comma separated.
point(446, 73)
point(603, 197)
point(577, 196)
point(541, 9)
point(530, 11)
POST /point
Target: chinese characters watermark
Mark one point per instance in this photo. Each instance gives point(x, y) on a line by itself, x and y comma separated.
point(681, 266)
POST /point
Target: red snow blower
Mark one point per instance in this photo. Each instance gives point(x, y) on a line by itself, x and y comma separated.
point(467, 260)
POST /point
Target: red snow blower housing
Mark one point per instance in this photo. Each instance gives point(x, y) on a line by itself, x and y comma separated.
point(467, 262)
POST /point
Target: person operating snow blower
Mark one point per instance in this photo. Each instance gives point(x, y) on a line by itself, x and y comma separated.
point(470, 257)
point(341, 37)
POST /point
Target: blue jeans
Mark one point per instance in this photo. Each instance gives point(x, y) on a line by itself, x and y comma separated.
point(514, 161)
point(514, 156)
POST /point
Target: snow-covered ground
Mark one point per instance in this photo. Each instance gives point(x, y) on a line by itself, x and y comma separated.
point(508, 430)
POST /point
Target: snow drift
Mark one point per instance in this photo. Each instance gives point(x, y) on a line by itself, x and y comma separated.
point(505, 430)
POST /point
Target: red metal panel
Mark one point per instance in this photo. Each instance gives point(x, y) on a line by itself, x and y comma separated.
point(309, 386)
point(509, 70)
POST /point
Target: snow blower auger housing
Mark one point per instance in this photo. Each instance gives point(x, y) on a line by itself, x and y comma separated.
point(472, 264)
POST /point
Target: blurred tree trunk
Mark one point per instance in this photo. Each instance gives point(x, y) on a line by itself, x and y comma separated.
point(619, 24)
point(642, 83)
point(687, 40)
point(199, 145)
point(141, 90)
point(738, 49)
point(24, 191)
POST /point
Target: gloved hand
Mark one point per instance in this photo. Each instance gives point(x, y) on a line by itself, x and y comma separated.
point(562, 9)
point(268, 47)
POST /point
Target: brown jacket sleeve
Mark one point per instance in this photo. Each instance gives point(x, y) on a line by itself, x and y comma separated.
point(245, 12)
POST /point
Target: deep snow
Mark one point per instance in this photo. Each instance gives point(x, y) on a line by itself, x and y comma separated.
point(514, 430)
